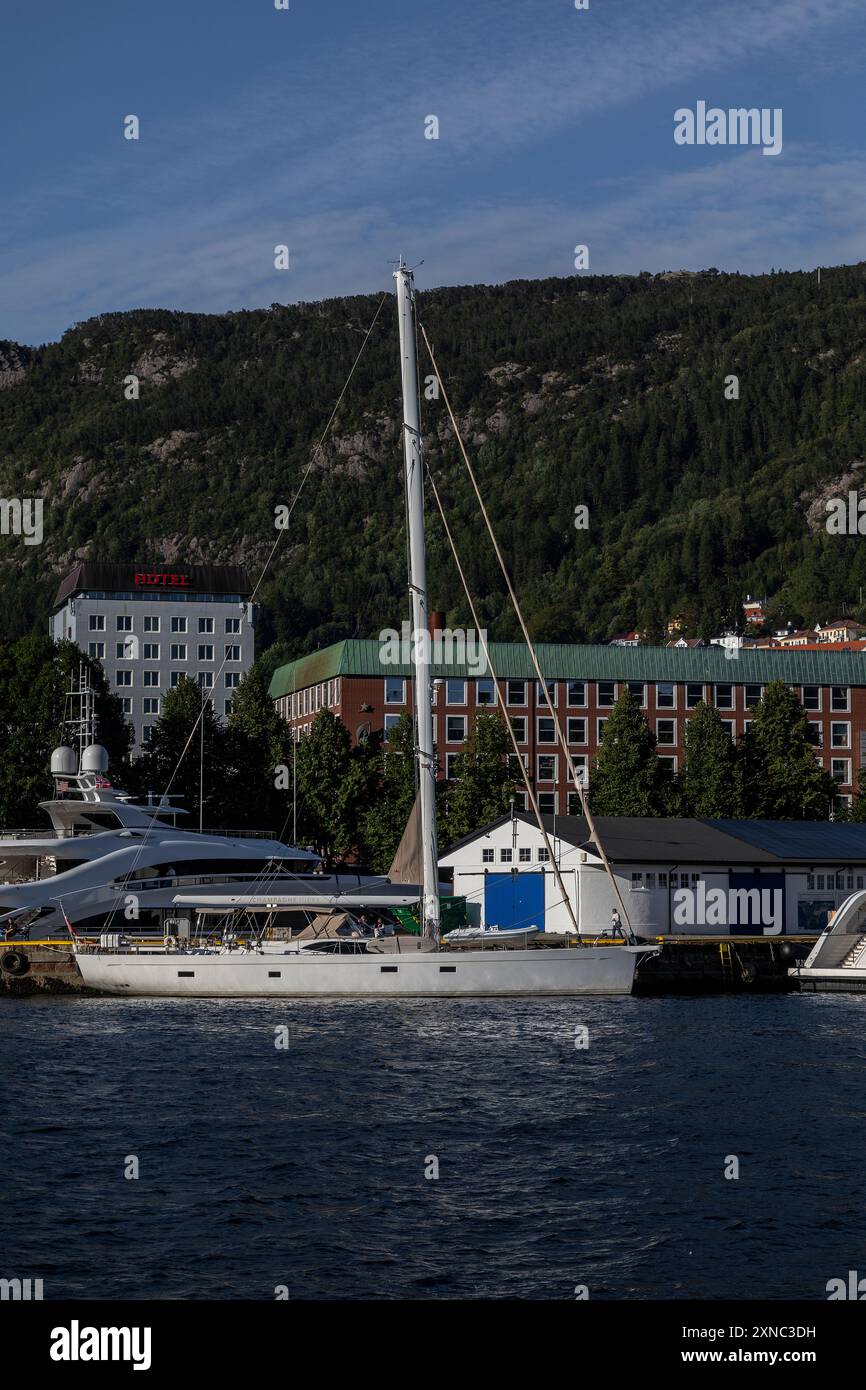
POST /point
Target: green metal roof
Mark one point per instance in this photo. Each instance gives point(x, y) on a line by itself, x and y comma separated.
point(361, 657)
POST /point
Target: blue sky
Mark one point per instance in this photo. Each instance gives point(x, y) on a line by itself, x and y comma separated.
point(306, 127)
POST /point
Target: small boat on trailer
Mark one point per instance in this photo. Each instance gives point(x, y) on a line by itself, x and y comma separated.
point(837, 961)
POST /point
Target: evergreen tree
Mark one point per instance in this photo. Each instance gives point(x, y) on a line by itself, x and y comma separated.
point(259, 792)
point(172, 760)
point(392, 796)
point(782, 779)
point(483, 779)
point(35, 676)
point(627, 777)
point(330, 799)
point(710, 781)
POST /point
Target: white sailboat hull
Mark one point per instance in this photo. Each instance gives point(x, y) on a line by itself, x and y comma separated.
point(305, 975)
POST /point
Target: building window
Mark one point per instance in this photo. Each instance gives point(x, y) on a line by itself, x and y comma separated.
point(730, 727)
point(97, 622)
point(546, 767)
point(724, 696)
point(551, 690)
point(505, 856)
point(576, 694)
point(576, 730)
point(670, 763)
point(205, 651)
point(178, 651)
point(233, 626)
point(147, 733)
point(125, 704)
point(636, 881)
point(487, 856)
point(666, 695)
point(395, 690)
point(840, 771)
point(525, 856)
point(96, 649)
point(547, 803)
point(574, 804)
point(650, 880)
point(579, 760)
point(517, 765)
point(151, 624)
point(839, 698)
point(151, 651)
point(815, 732)
point(150, 704)
point(812, 697)
point(840, 735)
point(205, 625)
point(753, 695)
point(663, 879)
point(233, 651)
point(451, 766)
point(455, 692)
point(544, 855)
point(178, 624)
point(174, 678)
point(455, 728)
point(390, 722)
point(205, 680)
point(516, 692)
point(232, 679)
point(606, 694)
point(485, 693)
point(599, 729)
point(666, 732)
point(123, 678)
point(637, 690)
point(694, 694)
point(546, 729)
point(518, 724)
point(124, 624)
point(151, 678)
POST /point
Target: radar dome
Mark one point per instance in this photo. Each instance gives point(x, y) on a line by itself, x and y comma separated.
point(94, 758)
point(63, 762)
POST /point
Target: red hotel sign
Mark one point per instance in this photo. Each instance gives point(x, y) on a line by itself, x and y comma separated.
point(161, 581)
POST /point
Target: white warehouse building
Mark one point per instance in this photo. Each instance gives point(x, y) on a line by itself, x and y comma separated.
point(675, 877)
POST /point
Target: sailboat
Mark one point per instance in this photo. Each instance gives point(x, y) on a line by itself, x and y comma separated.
point(416, 967)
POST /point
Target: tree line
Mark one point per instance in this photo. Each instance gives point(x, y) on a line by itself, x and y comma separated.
point(348, 801)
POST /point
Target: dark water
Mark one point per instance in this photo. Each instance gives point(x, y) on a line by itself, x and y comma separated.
point(557, 1167)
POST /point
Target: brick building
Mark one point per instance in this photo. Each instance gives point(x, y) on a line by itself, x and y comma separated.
point(350, 680)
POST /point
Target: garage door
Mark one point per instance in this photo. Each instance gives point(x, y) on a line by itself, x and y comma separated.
point(514, 901)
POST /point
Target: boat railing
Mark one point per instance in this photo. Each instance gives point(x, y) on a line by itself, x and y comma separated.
point(67, 833)
point(240, 834)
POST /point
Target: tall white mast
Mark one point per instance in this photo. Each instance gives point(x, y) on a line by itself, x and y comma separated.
point(418, 590)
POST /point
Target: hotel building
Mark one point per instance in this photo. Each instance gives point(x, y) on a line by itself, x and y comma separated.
point(148, 626)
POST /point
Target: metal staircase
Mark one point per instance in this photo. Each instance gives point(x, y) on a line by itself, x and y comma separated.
point(856, 957)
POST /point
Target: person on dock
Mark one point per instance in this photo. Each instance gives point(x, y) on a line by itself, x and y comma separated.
point(615, 923)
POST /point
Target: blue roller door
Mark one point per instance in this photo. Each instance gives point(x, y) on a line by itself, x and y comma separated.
point(514, 901)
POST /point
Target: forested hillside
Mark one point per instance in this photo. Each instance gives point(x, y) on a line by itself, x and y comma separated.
point(604, 392)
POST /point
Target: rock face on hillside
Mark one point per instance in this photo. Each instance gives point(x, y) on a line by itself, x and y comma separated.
point(603, 392)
